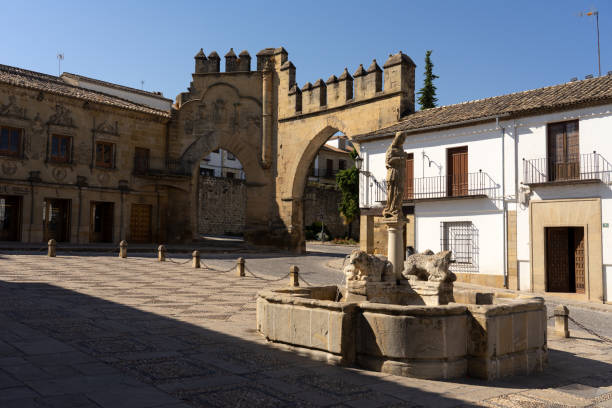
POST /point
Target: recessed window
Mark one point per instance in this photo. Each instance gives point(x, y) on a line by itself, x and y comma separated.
point(61, 148)
point(230, 175)
point(341, 164)
point(461, 238)
point(104, 154)
point(10, 141)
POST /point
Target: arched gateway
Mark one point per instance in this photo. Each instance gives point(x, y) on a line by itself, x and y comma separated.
point(275, 129)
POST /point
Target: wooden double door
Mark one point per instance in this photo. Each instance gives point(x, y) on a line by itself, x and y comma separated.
point(565, 259)
point(140, 223)
point(457, 171)
point(563, 151)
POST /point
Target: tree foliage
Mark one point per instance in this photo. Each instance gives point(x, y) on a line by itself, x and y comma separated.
point(427, 95)
point(348, 182)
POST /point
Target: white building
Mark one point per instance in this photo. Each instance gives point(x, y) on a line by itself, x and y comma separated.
point(221, 163)
point(517, 186)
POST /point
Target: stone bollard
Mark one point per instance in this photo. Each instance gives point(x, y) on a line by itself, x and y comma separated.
point(294, 276)
point(240, 267)
point(51, 248)
point(161, 253)
point(196, 259)
point(561, 321)
point(123, 249)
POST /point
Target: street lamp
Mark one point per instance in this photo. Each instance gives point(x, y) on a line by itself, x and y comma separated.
point(358, 162)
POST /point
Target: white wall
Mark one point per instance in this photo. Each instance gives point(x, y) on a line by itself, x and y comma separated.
point(221, 165)
point(151, 101)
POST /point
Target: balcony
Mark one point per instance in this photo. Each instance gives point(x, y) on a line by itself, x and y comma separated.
point(321, 173)
point(471, 185)
point(159, 167)
point(579, 168)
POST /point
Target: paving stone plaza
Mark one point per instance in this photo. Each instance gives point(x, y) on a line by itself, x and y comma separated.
point(94, 330)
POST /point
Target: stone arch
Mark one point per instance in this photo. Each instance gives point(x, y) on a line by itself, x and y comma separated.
point(247, 154)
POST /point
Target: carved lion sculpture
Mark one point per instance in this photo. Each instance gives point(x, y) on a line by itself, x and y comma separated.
point(429, 266)
point(364, 267)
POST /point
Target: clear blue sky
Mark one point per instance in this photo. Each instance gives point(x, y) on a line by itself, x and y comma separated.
point(480, 48)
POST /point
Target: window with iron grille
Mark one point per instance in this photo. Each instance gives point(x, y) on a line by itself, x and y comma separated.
point(461, 238)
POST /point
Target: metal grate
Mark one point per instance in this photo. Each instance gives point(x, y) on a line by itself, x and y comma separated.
point(461, 238)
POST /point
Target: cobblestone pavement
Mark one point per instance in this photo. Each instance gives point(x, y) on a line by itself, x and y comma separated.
point(99, 331)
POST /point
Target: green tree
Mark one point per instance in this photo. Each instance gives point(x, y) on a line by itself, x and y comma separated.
point(427, 95)
point(348, 182)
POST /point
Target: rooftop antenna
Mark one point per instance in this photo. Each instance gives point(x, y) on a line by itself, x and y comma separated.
point(142, 85)
point(596, 14)
point(60, 58)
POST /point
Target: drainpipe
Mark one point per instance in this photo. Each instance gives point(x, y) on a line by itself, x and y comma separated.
point(516, 193)
point(504, 204)
point(31, 210)
point(266, 142)
point(78, 231)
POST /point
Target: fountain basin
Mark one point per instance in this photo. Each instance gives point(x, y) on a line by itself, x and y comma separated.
point(488, 341)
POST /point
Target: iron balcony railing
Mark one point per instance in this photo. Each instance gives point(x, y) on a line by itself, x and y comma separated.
point(158, 166)
point(590, 166)
point(462, 185)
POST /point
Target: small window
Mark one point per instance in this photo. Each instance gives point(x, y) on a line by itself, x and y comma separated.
point(141, 159)
point(230, 175)
point(216, 151)
point(61, 147)
point(104, 154)
point(342, 165)
point(230, 156)
point(461, 238)
point(10, 141)
point(207, 172)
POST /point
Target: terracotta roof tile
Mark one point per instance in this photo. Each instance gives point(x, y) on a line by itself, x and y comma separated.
point(52, 84)
point(557, 97)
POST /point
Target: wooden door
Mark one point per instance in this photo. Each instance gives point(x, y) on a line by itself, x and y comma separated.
point(10, 218)
point(409, 184)
point(140, 223)
point(563, 151)
point(557, 259)
point(579, 267)
point(56, 220)
point(457, 171)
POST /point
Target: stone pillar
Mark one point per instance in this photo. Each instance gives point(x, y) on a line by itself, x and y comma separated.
point(196, 259)
point(240, 267)
point(366, 233)
point(123, 249)
point(51, 248)
point(294, 279)
point(561, 321)
point(395, 244)
point(161, 253)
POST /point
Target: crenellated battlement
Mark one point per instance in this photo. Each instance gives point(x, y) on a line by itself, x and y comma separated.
point(398, 75)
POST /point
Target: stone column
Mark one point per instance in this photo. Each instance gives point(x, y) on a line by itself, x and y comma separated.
point(395, 244)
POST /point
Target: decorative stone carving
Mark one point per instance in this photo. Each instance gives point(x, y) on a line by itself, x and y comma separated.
point(61, 117)
point(364, 267)
point(103, 177)
point(108, 128)
point(219, 112)
point(429, 267)
point(9, 168)
point(12, 109)
point(59, 173)
point(395, 162)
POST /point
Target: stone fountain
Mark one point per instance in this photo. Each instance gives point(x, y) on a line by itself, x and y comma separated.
point(406, 318)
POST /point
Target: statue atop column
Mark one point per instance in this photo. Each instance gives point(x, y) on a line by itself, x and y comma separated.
point(395, 162)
